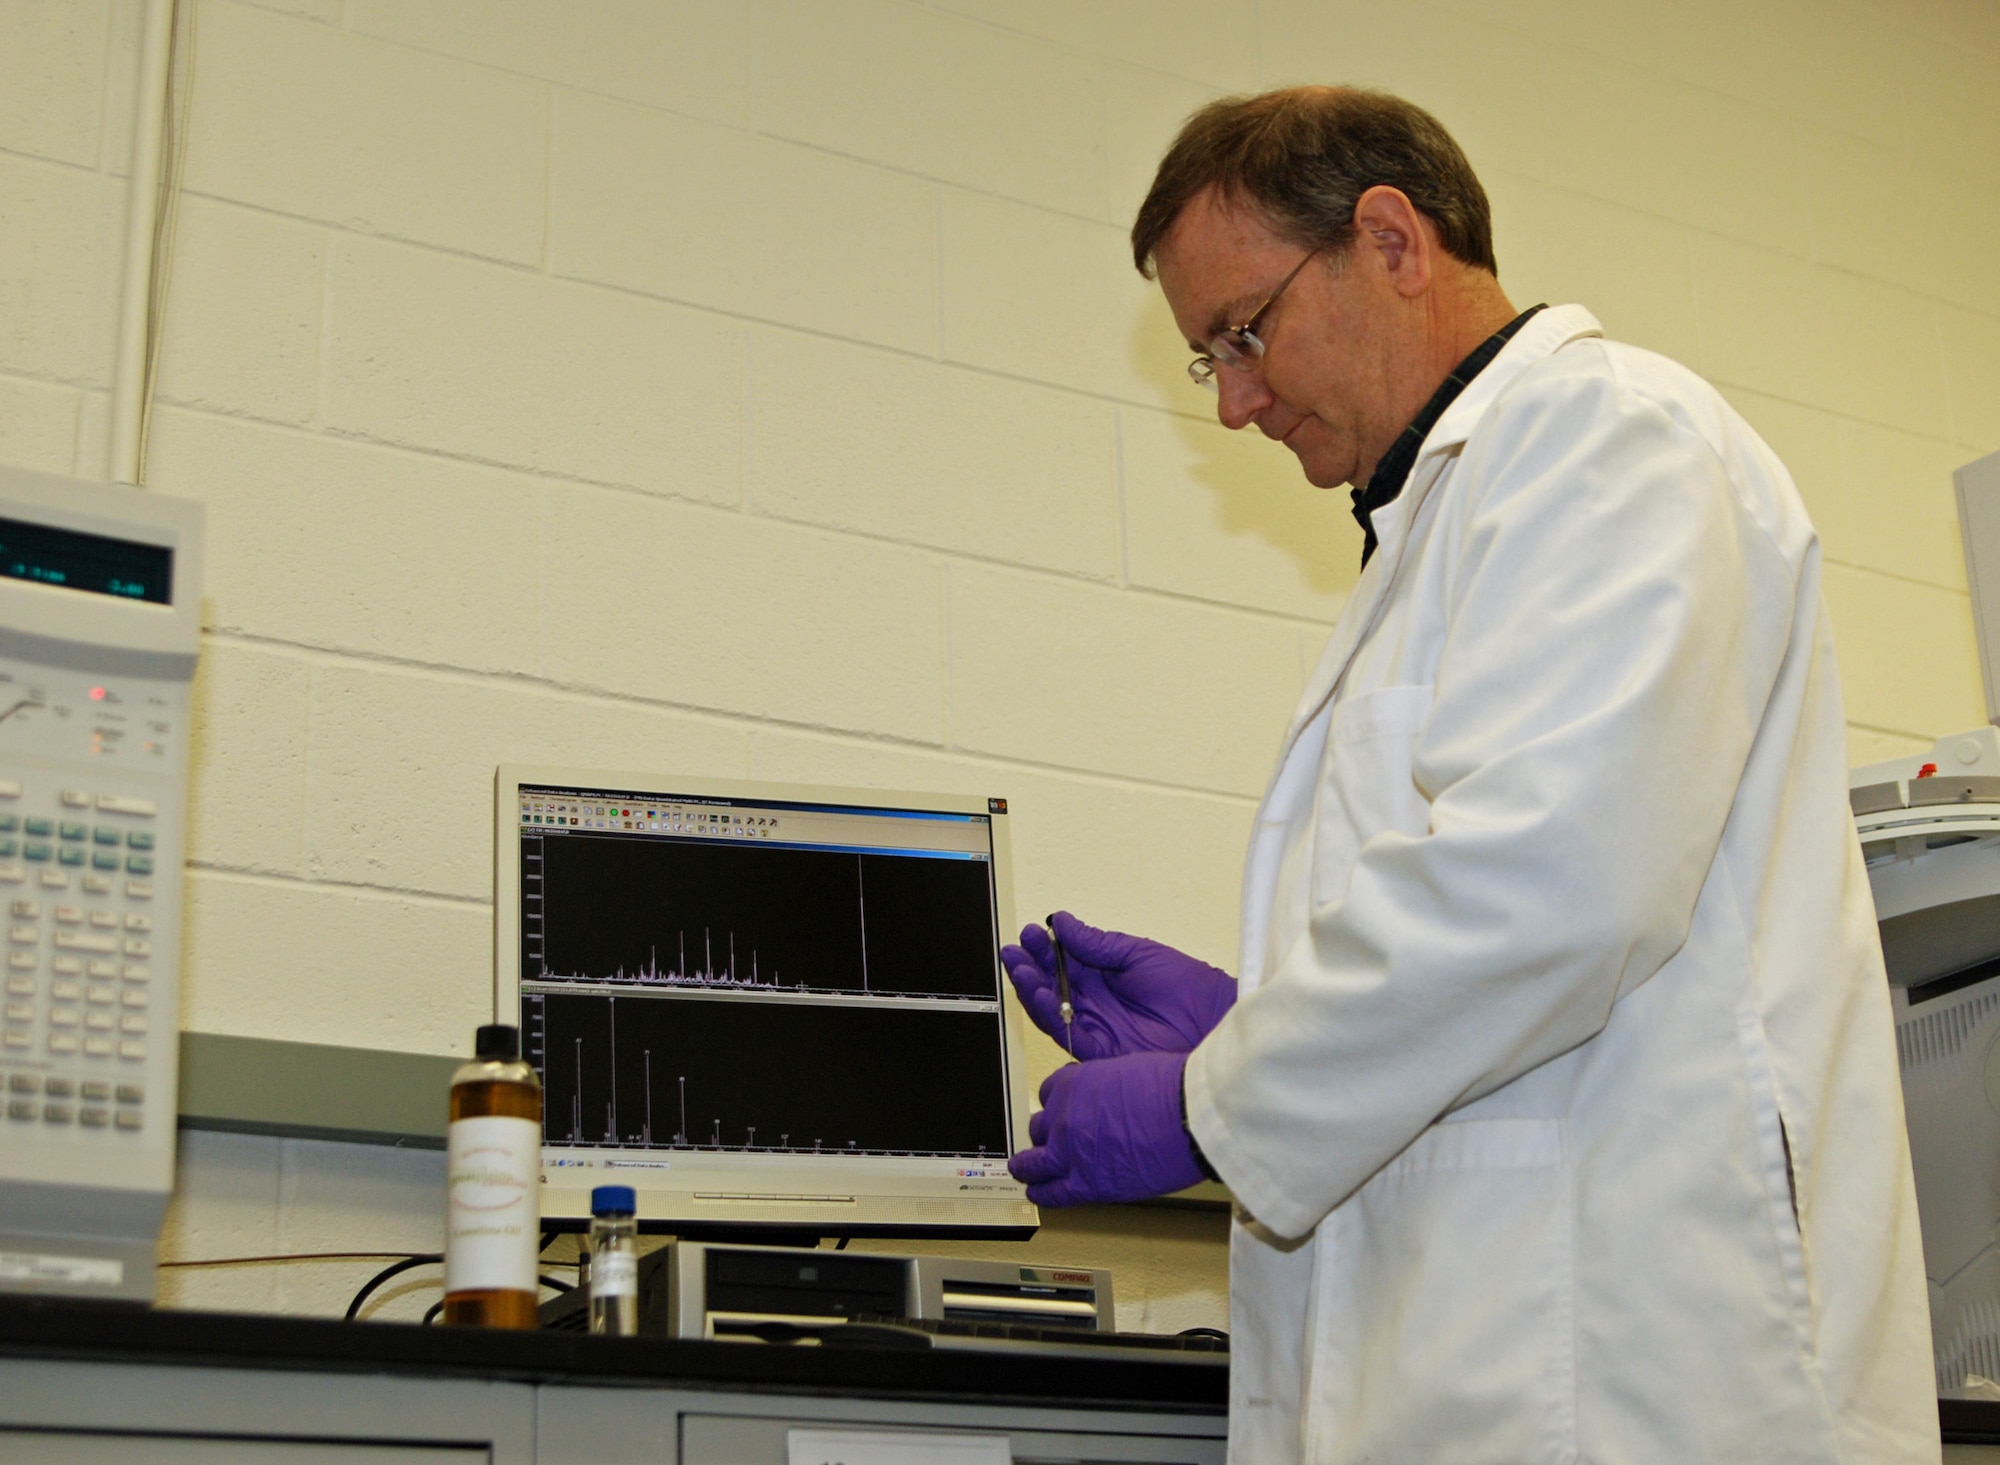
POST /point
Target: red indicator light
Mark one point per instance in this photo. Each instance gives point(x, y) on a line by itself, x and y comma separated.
point(97, 694)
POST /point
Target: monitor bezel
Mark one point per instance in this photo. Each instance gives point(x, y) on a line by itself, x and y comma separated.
point(717, 1222)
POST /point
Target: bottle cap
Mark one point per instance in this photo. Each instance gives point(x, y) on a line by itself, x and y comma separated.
point(497, 1040)
point(613, 1200)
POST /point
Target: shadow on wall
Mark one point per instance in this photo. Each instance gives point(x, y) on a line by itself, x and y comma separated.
point(1235, 518)
point(1273, 503)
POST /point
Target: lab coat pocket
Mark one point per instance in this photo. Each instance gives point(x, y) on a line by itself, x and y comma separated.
point(1445, 1322)
point(1367, 781)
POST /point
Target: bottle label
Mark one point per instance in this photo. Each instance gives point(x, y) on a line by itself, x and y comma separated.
point(493, 1211)
point(614, 1273)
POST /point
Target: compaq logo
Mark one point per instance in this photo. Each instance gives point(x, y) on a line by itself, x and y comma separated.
point(1072, 1276)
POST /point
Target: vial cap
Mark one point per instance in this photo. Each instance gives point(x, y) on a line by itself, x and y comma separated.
point(497, 1040)
point(613, 1200)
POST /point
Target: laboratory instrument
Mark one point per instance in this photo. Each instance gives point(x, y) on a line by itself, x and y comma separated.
point(492, 1243)
point(613, 1288)
point(100, 626)
point(1127, 994)
point(693, 1289)
point(1978, 488)
point(1930, 833)
point(1064, 1008)
point(765, 1007)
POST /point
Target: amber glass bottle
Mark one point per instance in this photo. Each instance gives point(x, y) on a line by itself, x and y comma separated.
point(493, 1180)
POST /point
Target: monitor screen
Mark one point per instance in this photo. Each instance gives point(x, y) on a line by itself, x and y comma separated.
point(763, 1006)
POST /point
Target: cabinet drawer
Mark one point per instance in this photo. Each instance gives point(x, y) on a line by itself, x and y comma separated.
point(721, 1439)
point(86, 1447)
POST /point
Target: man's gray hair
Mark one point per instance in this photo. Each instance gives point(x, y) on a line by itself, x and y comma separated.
point(1303, 156)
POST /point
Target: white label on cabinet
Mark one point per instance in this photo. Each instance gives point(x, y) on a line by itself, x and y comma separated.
point(852, 1447)
point(28, 1266)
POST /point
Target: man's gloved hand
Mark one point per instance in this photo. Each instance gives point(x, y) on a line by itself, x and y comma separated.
point(1131, 995)
point(1109, 1130)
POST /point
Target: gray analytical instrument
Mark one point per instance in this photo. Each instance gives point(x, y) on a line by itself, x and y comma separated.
point(1930, 831)
point(100, 622)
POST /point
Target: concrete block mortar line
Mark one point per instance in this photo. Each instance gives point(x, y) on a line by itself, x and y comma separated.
point(875, 164)
point(545, 524)
point(699, 307)
point(744, 409)
point(1774, 390)
point(1881, 574)
point(1699, 366)
point(88, 169)
point(1082, 53)
point(1118, 490)
point(942, 556)
point(347, 24)
point(1952, 390)
point(80, 390)
point(1958, 592)
point(322, 372)
point(105, 110)
point(301, 852)
point(443, 455)
point(549, 94)
point(937, 273)
point(84, 452)
point(1840, 272)
point(271, 879)
point(318, 656)
point(742, 506)
point(547, 511)
point(1896, 732)
point(944, 649)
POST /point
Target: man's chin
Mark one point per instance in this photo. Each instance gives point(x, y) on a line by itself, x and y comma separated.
point(1321, 475)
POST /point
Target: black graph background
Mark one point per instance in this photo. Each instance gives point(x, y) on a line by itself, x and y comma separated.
point(927, 1079)
point(615, 903)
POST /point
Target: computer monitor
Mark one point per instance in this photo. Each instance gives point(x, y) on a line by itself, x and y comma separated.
point(765, 1007)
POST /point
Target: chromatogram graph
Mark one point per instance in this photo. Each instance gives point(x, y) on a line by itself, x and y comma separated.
point(661, 913)
point(661, 1071)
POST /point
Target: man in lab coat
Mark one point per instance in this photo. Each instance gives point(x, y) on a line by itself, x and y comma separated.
point(1560, 1101)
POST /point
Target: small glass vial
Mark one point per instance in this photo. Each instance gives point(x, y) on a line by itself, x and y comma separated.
point(493, 1173)
point(614, 1261)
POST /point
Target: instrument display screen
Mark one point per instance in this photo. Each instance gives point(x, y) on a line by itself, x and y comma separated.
point(74, 560)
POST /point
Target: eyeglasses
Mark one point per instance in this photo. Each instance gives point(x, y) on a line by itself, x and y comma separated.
point(1239, 346)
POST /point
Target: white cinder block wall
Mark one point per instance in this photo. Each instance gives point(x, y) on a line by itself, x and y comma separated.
point(764, 389)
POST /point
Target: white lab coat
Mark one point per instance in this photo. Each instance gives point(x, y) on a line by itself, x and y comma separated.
point(1561, 1106)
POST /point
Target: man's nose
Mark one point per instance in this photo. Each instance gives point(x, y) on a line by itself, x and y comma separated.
point(1241, 395)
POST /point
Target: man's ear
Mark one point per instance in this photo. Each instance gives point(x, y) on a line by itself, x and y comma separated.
point(1386, 222)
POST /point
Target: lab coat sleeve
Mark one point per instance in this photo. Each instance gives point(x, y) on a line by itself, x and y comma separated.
point(1615, 622)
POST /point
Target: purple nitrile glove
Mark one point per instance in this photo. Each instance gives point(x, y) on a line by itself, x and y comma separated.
point(1131, 995)
point(1109, 1130)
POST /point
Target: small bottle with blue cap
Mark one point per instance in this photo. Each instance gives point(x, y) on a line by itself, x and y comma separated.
point(614, 1261)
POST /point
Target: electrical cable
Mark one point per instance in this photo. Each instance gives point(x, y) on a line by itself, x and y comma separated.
point(166, 217)
point(386, 1274)
point(287, 1256)
point(431, 1312)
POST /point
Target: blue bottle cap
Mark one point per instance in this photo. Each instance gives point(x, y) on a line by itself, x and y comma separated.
point(613, 1200)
